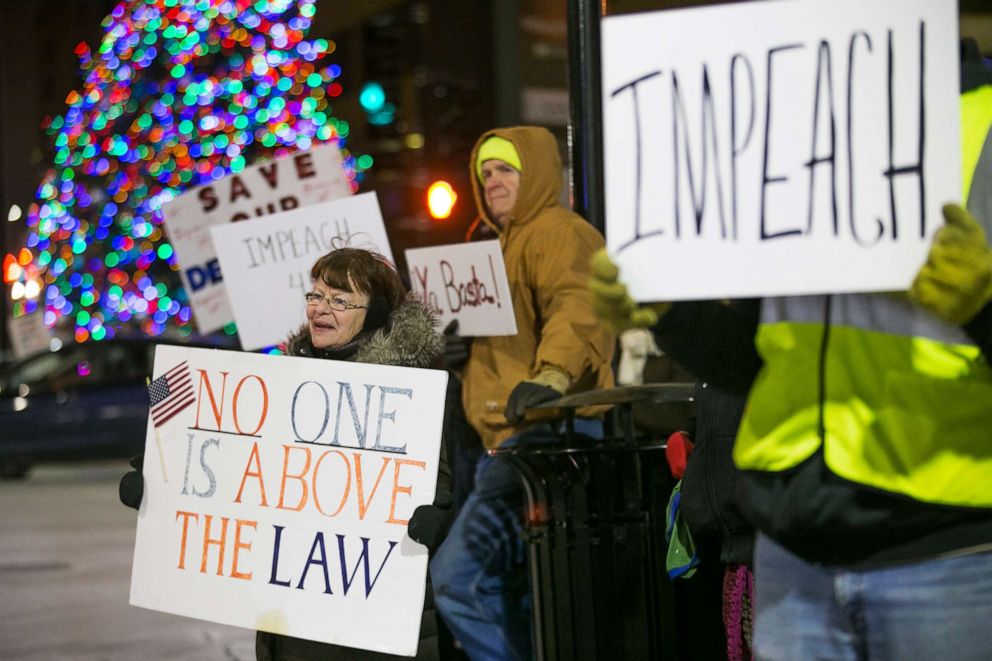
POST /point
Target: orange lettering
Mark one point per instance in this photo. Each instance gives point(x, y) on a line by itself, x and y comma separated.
point(218, 412)
point(401, 489)
point(299, 478)
point(208, 542)
point(347, 486)
point(182, 544)
point(265, 404)
point(238, 545)
point(363, 505)
point(256, 474)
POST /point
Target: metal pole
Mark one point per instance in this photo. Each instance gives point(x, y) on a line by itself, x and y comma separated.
point(585, 143)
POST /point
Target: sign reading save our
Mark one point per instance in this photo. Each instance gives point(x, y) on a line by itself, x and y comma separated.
point(780, 147)
point(278, 491)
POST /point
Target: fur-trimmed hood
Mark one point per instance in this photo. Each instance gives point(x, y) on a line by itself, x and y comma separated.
point(409, 339)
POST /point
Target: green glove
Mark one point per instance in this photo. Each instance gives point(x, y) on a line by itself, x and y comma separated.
point(613, 304)
point(956, 281)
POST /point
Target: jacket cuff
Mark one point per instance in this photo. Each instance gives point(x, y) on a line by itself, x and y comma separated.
point(979, 329)
point(554, 378)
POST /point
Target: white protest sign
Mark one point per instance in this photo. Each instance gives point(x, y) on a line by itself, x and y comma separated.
point(267, 261)
point(29, 334)
point(282, 184)
point(277, 495)
point(783, 147)
point(465, 281)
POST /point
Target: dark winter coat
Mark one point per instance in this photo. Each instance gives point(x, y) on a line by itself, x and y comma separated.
point(409, 339)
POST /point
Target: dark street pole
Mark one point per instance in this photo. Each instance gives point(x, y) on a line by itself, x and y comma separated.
point(585, 129)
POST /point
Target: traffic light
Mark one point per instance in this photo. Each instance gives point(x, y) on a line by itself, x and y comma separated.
point(441, 198)
point(378, 110)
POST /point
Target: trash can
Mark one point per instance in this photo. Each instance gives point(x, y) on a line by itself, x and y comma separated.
point(595, 527)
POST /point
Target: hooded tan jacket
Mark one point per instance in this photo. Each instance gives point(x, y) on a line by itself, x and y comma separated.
point(547, 249)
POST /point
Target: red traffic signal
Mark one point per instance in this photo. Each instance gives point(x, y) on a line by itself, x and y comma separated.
point(441, 198)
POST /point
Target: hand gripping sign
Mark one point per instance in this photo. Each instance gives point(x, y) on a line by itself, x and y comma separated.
point(277, 493)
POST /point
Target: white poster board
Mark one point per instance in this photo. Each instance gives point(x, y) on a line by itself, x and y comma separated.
point(267, 261)
point(748, 152)
point(294, 181)
point(277, 499)
point(465, 281)
point(29, 334)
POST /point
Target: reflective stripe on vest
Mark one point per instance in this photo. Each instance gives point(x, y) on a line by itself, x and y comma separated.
point(907, 406)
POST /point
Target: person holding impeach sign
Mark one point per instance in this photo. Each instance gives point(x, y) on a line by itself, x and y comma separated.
point(866, 442)
point(479, 572)
point(358, 310)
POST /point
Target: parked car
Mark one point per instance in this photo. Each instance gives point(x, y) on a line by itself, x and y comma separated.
point(84, 401)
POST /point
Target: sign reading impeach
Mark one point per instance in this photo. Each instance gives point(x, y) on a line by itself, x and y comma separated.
point(278, 491)
point(779, 147)
point(282, 184)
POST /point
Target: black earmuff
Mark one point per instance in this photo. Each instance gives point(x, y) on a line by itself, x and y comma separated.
point(377, 314)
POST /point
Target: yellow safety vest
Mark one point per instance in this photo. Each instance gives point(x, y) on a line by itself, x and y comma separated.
point(895, 398)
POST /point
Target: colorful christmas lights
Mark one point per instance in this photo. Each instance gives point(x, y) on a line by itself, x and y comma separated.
point(179, 93)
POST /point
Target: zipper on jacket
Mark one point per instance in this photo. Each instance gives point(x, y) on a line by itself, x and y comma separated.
point(822, 373)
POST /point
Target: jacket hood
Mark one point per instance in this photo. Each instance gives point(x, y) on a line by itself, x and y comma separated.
point(540, 176)
point(410, 339)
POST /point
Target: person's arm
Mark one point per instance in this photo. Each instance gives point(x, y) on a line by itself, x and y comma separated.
point(711, 339)
point(955, 283)
point(714, 340)
point(572, 338)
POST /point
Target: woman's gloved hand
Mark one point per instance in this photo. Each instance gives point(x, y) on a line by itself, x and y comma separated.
point(955, 283)
point(132, 486)
point(612, 303)
point(429, 524)
point(455, 347)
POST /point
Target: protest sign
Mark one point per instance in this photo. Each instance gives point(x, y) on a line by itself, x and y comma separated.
point(29, 334)
point(278, 490)
point(467, 282)
point(779, 147)
point(267, 261)
point(281, 184)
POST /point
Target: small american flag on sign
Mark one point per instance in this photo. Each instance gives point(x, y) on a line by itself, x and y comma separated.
point(171, 393)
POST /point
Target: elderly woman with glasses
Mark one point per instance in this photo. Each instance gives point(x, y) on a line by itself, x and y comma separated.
point(358, 310)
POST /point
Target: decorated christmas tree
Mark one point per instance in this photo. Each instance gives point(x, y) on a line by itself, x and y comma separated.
point(179, 93)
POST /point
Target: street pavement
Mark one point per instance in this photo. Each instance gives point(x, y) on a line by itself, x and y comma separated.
point(66, 546)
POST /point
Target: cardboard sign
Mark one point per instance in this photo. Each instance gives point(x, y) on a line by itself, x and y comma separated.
point(465, 281)
point(29, 334)
point(784, 147)
point(267, 261)
point(282, 184)
point(278, 490)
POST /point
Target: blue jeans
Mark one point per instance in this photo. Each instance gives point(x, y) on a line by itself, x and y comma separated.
point(479, 573)
point(935, 609)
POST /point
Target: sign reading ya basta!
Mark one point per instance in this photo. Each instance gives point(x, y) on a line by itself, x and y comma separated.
point(467, 282)
point(278, 491)
point(780, 147)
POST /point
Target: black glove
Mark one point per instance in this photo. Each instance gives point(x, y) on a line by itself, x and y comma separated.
point(132, 486)
point(525, 395)
point(429, 524)
point(455, 347)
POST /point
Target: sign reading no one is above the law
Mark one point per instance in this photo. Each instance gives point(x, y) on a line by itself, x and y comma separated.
point(780, 147)
point(277, 496)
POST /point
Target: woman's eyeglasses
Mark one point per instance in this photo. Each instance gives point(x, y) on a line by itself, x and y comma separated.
point(333, 302)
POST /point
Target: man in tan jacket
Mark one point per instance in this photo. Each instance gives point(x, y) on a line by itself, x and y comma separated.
point(561, 347)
